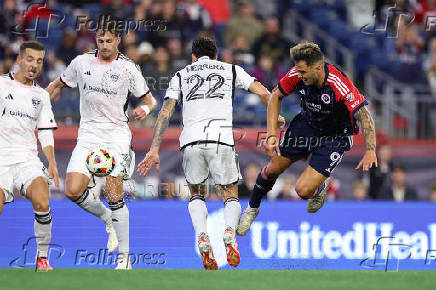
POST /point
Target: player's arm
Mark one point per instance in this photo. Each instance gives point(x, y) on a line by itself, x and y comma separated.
point(148, 105)
point(257, 88)
point(46, 139)
point(363, 116)
point(162, 122)
point(68, 78)
point(55, 88)
point(274, 107)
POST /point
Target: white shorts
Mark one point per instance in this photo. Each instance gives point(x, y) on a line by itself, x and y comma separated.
point(20, 176)
point(122, 152)
point(219, 160)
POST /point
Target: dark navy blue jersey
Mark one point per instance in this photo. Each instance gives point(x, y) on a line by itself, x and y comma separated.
point(328, 109)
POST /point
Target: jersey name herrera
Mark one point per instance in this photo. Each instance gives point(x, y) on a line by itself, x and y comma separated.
point(205, 66)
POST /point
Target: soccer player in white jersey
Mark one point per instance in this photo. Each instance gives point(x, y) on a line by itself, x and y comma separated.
point(24, 107)
point(206, 89)
point(105, 77)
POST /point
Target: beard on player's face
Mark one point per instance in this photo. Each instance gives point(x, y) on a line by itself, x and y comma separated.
point(313, 76)
point(107, 45)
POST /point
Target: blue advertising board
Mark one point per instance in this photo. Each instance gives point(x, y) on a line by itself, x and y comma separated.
point(342, 235)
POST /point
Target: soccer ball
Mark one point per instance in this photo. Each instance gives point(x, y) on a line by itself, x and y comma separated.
point(100, 162)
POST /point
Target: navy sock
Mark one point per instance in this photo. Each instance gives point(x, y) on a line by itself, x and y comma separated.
point(260, 189)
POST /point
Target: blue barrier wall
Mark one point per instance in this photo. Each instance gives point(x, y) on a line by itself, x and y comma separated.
point(343, 235)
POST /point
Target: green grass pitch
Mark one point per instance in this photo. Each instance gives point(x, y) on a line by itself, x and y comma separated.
point(64, 279)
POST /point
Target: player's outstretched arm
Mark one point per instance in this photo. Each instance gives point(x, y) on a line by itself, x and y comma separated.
point(162, 122)
point(47, 143)
point(257, 88)
point(274, 106)
point(55, 88)
point(368, 131)
point(148, 105)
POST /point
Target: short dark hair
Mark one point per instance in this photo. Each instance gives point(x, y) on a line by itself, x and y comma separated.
point(32, 44)
point(204, 46)
point(307, 51)
point(110, 25)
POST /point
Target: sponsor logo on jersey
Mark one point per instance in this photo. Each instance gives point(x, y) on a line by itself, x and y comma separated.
point(9, 97)
point(325, 98)
point(313, 107)
point(88, 73)
point(302, 92)
point(21, 115)
point(102, 90)
point(350, 97)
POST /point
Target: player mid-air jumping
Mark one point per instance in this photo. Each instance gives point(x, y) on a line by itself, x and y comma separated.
point(323, 130)
point(105, 77)
point(24, 107)
point(206, 89)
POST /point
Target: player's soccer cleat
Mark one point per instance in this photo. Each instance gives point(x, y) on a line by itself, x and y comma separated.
point(124, 263)
point(42, 264)
point(246, 220)
point(206, 252)
point(233, 257)
point(112, 241)
point(315, 203)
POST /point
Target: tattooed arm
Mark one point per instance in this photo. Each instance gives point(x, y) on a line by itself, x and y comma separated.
point(163, 119)
point(162, 122)
point(368, 131)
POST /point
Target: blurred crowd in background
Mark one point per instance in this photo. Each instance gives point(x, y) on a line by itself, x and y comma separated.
point(248, 33)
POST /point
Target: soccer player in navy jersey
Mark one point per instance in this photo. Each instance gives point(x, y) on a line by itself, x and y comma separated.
point(323, 130)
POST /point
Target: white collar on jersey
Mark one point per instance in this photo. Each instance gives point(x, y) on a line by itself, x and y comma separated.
point(204, 57)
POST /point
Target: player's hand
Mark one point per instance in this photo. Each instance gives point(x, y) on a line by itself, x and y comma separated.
point(150, 159)
point(139, 114)
point(53, 173)
point(271, 144)
point(368, 160)
point(281, 122)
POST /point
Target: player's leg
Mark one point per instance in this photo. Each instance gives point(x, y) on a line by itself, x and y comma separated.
point(32, 181)
point(232, 207)
point(76, 186)
point(232, 211)
point(264, 183)
point(197, 208)
point(267, 178)
point(76, 189)
point(198, 212)
point(114, 193)
point(37, 192)
point(6, 186)
point(313, 182)
point(2, 200)
point(196, 172)
point(224, 169)
point(308, 182)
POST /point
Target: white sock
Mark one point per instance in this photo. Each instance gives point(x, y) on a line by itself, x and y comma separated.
point(120, 220)
point(232, 211)
point(92, 204)
point(42, 228)
point(198, 211)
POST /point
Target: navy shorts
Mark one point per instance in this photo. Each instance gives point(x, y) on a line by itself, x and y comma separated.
point(301, 142)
